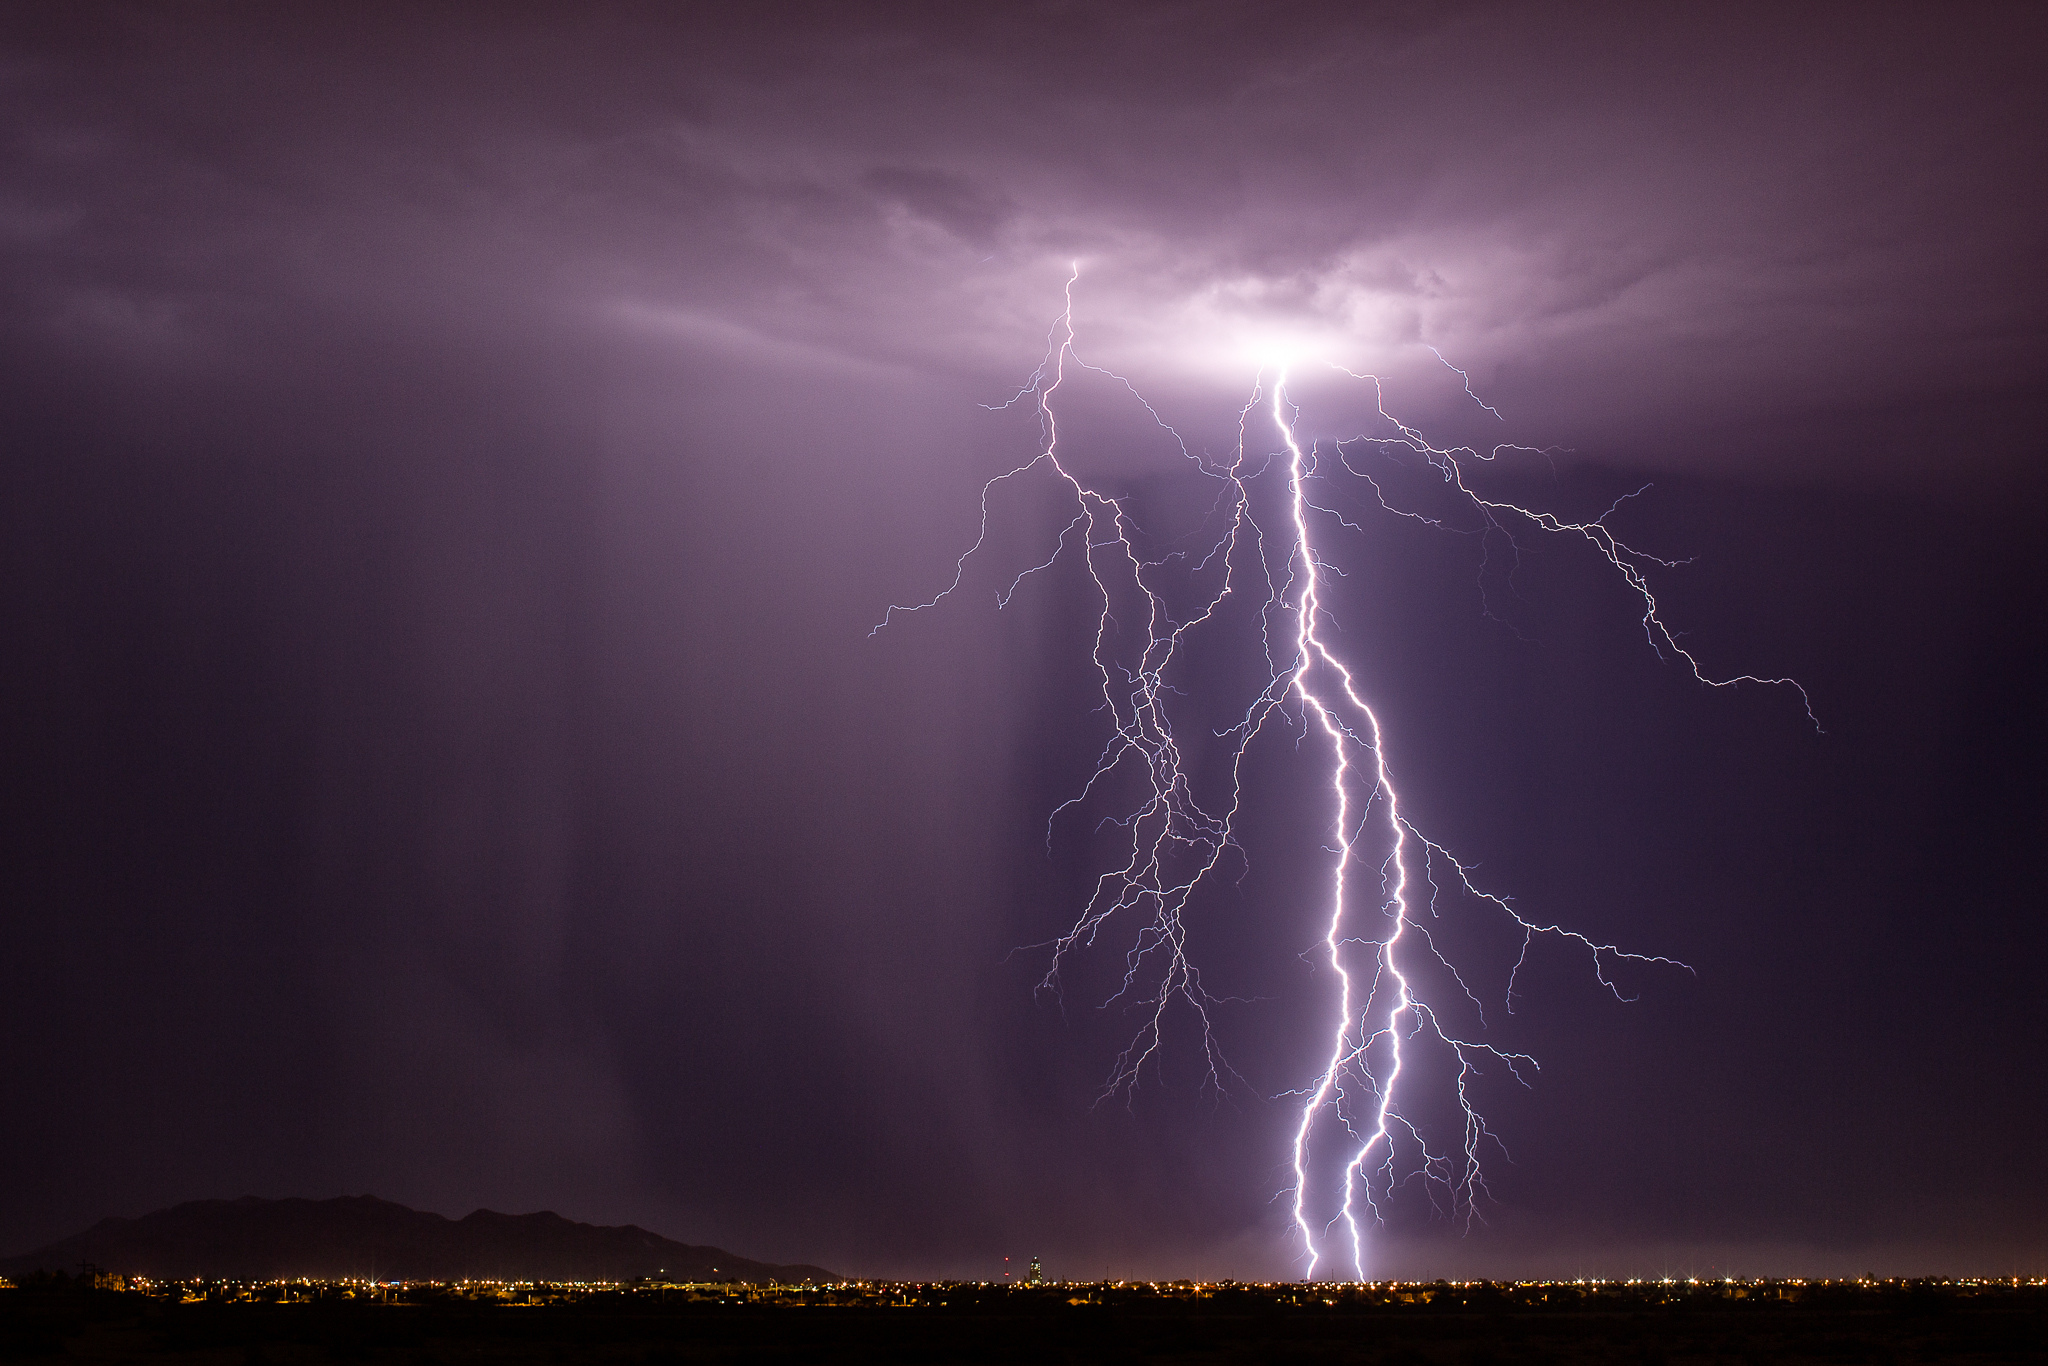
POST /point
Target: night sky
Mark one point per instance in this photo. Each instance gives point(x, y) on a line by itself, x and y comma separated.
point(455, 457)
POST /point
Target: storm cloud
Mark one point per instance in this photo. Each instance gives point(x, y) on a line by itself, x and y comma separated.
point(457, 456)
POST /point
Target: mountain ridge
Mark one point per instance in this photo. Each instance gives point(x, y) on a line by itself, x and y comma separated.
point(361, 1236)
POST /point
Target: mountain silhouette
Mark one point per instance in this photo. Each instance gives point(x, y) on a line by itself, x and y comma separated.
point(361, 1236)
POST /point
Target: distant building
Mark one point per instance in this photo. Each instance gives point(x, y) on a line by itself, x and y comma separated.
point(1036, 1276)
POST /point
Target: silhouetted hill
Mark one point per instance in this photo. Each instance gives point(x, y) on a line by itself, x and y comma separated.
point(361, 1236)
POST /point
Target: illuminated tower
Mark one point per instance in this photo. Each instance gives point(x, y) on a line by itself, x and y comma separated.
point(1036, 1276)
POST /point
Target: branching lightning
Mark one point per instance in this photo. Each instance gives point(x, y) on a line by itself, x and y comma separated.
point(1360, 1136)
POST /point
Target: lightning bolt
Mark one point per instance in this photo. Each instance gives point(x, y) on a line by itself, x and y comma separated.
point(1359, 1138)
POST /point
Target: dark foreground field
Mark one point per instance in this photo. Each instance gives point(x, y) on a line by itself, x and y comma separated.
point(435, 1327)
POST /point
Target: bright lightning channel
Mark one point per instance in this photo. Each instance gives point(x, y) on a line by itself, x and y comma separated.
point(1357, 1141)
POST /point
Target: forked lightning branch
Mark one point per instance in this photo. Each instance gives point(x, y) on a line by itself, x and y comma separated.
point(1387, 1102)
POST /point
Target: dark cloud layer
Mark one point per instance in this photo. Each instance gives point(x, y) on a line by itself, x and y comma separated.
point(1725, 217)
point(455, 459)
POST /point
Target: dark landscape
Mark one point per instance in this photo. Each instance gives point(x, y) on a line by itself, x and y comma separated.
point(363, 1238)
point(254, 1282)
point(654, 1323)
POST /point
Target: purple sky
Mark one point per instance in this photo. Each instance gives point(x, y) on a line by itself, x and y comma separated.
point(455, 458)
